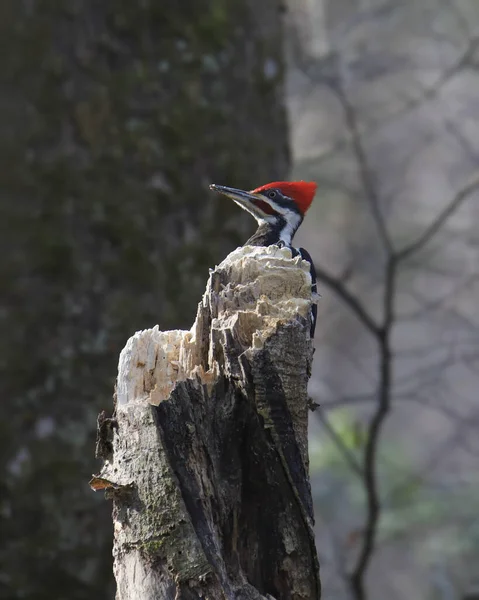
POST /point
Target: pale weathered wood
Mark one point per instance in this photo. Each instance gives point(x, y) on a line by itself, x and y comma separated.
point(206, 458)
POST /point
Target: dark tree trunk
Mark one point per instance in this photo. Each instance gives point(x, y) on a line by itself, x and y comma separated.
point(115, 116)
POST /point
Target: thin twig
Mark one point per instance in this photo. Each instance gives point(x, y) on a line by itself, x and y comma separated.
point(426, 95)
point(348, 298)
point(442, 303)
point(348, 456)
point(347, 401)
point(433, 90)
point(365, 172)
point(439, 221)
point(460, 16)
point(431, 464)
point(463, 142)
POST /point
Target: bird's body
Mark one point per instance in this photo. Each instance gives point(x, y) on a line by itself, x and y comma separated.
point(265, 235)
point(279, 209)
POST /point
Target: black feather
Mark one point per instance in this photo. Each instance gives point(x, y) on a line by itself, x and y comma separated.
point(305, 255)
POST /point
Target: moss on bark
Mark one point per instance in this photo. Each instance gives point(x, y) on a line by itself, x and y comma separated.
point(115, 118)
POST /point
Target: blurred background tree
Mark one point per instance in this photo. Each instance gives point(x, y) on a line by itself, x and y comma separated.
point(115, 118)
point(384, 115)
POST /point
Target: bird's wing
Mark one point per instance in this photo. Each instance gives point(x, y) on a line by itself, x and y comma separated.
point(305, 255)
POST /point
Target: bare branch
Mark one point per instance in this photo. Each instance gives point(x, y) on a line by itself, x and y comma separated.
point(464, 60)
point(462, 141)
point(365, 172)
point(423, 377)
point(348, 456)
point(426, 95)
point(439, 221)
point(357, 577)
point(441, 303)
point(440, 454)
point(460, 16)
point(348, 298)
point(347, 401)
point(425, 401)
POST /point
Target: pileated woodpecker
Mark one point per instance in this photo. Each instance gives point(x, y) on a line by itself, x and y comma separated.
point(279, 209)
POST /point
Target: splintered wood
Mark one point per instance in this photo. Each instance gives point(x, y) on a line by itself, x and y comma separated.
point(208, 467)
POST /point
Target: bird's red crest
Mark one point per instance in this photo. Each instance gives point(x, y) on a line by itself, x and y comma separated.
point(302, 192)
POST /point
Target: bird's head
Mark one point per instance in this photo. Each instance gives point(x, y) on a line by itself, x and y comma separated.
point(280, 203)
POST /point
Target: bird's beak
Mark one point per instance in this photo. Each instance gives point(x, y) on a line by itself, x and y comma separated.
point(247, 200)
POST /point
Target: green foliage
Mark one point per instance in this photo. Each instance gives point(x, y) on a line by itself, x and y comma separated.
point(324, 452)
point(440, 519)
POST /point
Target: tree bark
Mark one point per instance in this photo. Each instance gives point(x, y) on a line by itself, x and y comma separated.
point(115, 117)
point(206, 457)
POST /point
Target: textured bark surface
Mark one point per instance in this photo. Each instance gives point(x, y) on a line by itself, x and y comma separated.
point(206, 459)
point(115, 117)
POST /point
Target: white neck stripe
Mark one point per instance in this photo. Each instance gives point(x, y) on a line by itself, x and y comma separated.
point(290, 228)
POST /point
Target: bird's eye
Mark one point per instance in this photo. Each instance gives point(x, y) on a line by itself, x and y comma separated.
point(272, 194)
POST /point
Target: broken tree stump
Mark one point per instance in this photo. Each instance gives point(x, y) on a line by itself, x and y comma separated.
point(206, 458)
